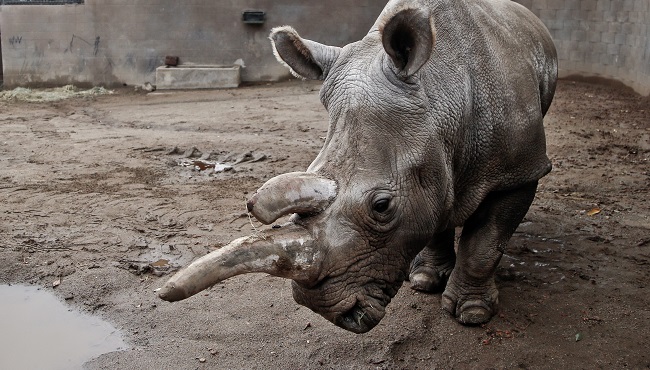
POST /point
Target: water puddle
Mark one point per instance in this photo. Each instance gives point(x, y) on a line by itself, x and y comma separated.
point(38, 331)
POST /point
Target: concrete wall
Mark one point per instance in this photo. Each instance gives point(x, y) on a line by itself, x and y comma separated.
point(110, 42)
point(1, 76)
point(600, 38)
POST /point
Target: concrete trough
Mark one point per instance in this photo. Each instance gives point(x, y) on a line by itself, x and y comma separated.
point(198, 77)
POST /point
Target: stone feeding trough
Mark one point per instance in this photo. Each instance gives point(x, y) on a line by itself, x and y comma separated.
point(191, 76)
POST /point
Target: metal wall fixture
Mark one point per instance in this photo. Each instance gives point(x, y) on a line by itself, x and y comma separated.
point(253, 17)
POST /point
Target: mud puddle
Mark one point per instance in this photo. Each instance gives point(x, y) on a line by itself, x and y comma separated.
point(41, 332)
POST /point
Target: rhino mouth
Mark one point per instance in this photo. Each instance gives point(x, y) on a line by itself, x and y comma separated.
point(361, 318)
point(358, 312)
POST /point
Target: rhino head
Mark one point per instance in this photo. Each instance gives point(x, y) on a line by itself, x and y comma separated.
point(358, 213)
point(403, 165)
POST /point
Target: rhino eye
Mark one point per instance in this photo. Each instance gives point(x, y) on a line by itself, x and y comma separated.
point(381, 205)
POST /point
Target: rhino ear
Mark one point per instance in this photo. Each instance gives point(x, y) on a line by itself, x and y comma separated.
point(305, 58)
point(408, 36)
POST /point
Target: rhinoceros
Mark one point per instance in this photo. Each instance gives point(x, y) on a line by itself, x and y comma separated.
point(435, 123)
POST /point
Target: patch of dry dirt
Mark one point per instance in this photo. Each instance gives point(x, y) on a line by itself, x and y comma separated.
point(101, 192)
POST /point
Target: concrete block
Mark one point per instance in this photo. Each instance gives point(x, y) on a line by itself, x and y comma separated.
point(599, 48)
point(600, 27)
point(606, 59)
point(628, 5)
point(593, 36)
point(587, 5)
point(578, 35)
point(609, 17)
point(539, 5)
point(577, 56)
point(572, 4)
point(563, 14)
point(602, 5)
point(561, 34)
point(629, 28)
point(553, 24)
point(198, 77)
point(547, 14)
point(571, 23)
point(615, 27)
point(613, 49)
point(623, 16)
point(580, 15)
point(596, 16)
point(620, 38)
point(556, 4)
point(641, 6)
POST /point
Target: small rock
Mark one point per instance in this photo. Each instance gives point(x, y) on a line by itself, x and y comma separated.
point(259, 158)
point(173, 150)
point(219, 167)
point(244, 157)
point(202, 360)
point(141, 244)
point(147, 86)
point(192, 152)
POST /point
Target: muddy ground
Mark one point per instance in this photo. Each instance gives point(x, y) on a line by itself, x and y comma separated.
point(101, 192)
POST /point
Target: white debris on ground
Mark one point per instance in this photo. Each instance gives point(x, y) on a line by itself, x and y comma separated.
point(49, 95)
point(202, 165)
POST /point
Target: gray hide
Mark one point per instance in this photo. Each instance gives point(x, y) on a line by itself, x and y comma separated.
point(435, 123)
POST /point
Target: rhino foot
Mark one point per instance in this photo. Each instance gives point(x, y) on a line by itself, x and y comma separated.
point(427, 278)
point(471, 306)
point(431, 268)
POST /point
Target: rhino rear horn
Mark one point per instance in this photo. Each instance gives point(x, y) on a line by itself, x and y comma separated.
point(294, 192)
point(408, 36)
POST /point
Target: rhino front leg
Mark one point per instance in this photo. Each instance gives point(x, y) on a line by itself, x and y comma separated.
point(471, 294)
point(432, 266)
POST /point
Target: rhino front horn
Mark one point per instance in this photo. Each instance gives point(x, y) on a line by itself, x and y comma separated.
point(294, 192)
point(287, 252)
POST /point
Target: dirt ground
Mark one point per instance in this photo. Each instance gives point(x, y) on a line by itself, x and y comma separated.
point(111, 193)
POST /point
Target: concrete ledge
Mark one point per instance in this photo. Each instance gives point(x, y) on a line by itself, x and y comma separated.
point(198, 77)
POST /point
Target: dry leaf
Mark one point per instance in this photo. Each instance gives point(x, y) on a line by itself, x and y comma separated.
point(160, 263)
point(594, 211)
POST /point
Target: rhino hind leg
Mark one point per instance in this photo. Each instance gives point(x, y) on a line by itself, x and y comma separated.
point(432, 266)
point(471, 294)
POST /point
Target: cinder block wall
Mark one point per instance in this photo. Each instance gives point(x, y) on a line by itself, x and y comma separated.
point(111, 42)
point(600, 38)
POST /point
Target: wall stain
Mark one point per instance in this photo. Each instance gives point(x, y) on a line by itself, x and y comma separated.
point(15, 40)
point(95, 45)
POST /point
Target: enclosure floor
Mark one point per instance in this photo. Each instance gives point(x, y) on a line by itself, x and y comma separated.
point(101, 195)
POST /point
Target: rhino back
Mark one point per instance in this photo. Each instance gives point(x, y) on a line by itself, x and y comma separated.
point(493, 75)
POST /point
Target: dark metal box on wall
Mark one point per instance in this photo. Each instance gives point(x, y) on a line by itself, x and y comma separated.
point(253, 17)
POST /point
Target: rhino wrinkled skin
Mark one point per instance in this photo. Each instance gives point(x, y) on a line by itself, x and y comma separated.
point(435, 124)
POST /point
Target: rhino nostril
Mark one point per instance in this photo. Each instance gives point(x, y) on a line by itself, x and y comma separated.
point(354, 316)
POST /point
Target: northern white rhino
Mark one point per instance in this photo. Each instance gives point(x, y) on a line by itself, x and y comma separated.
point(435, 123)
